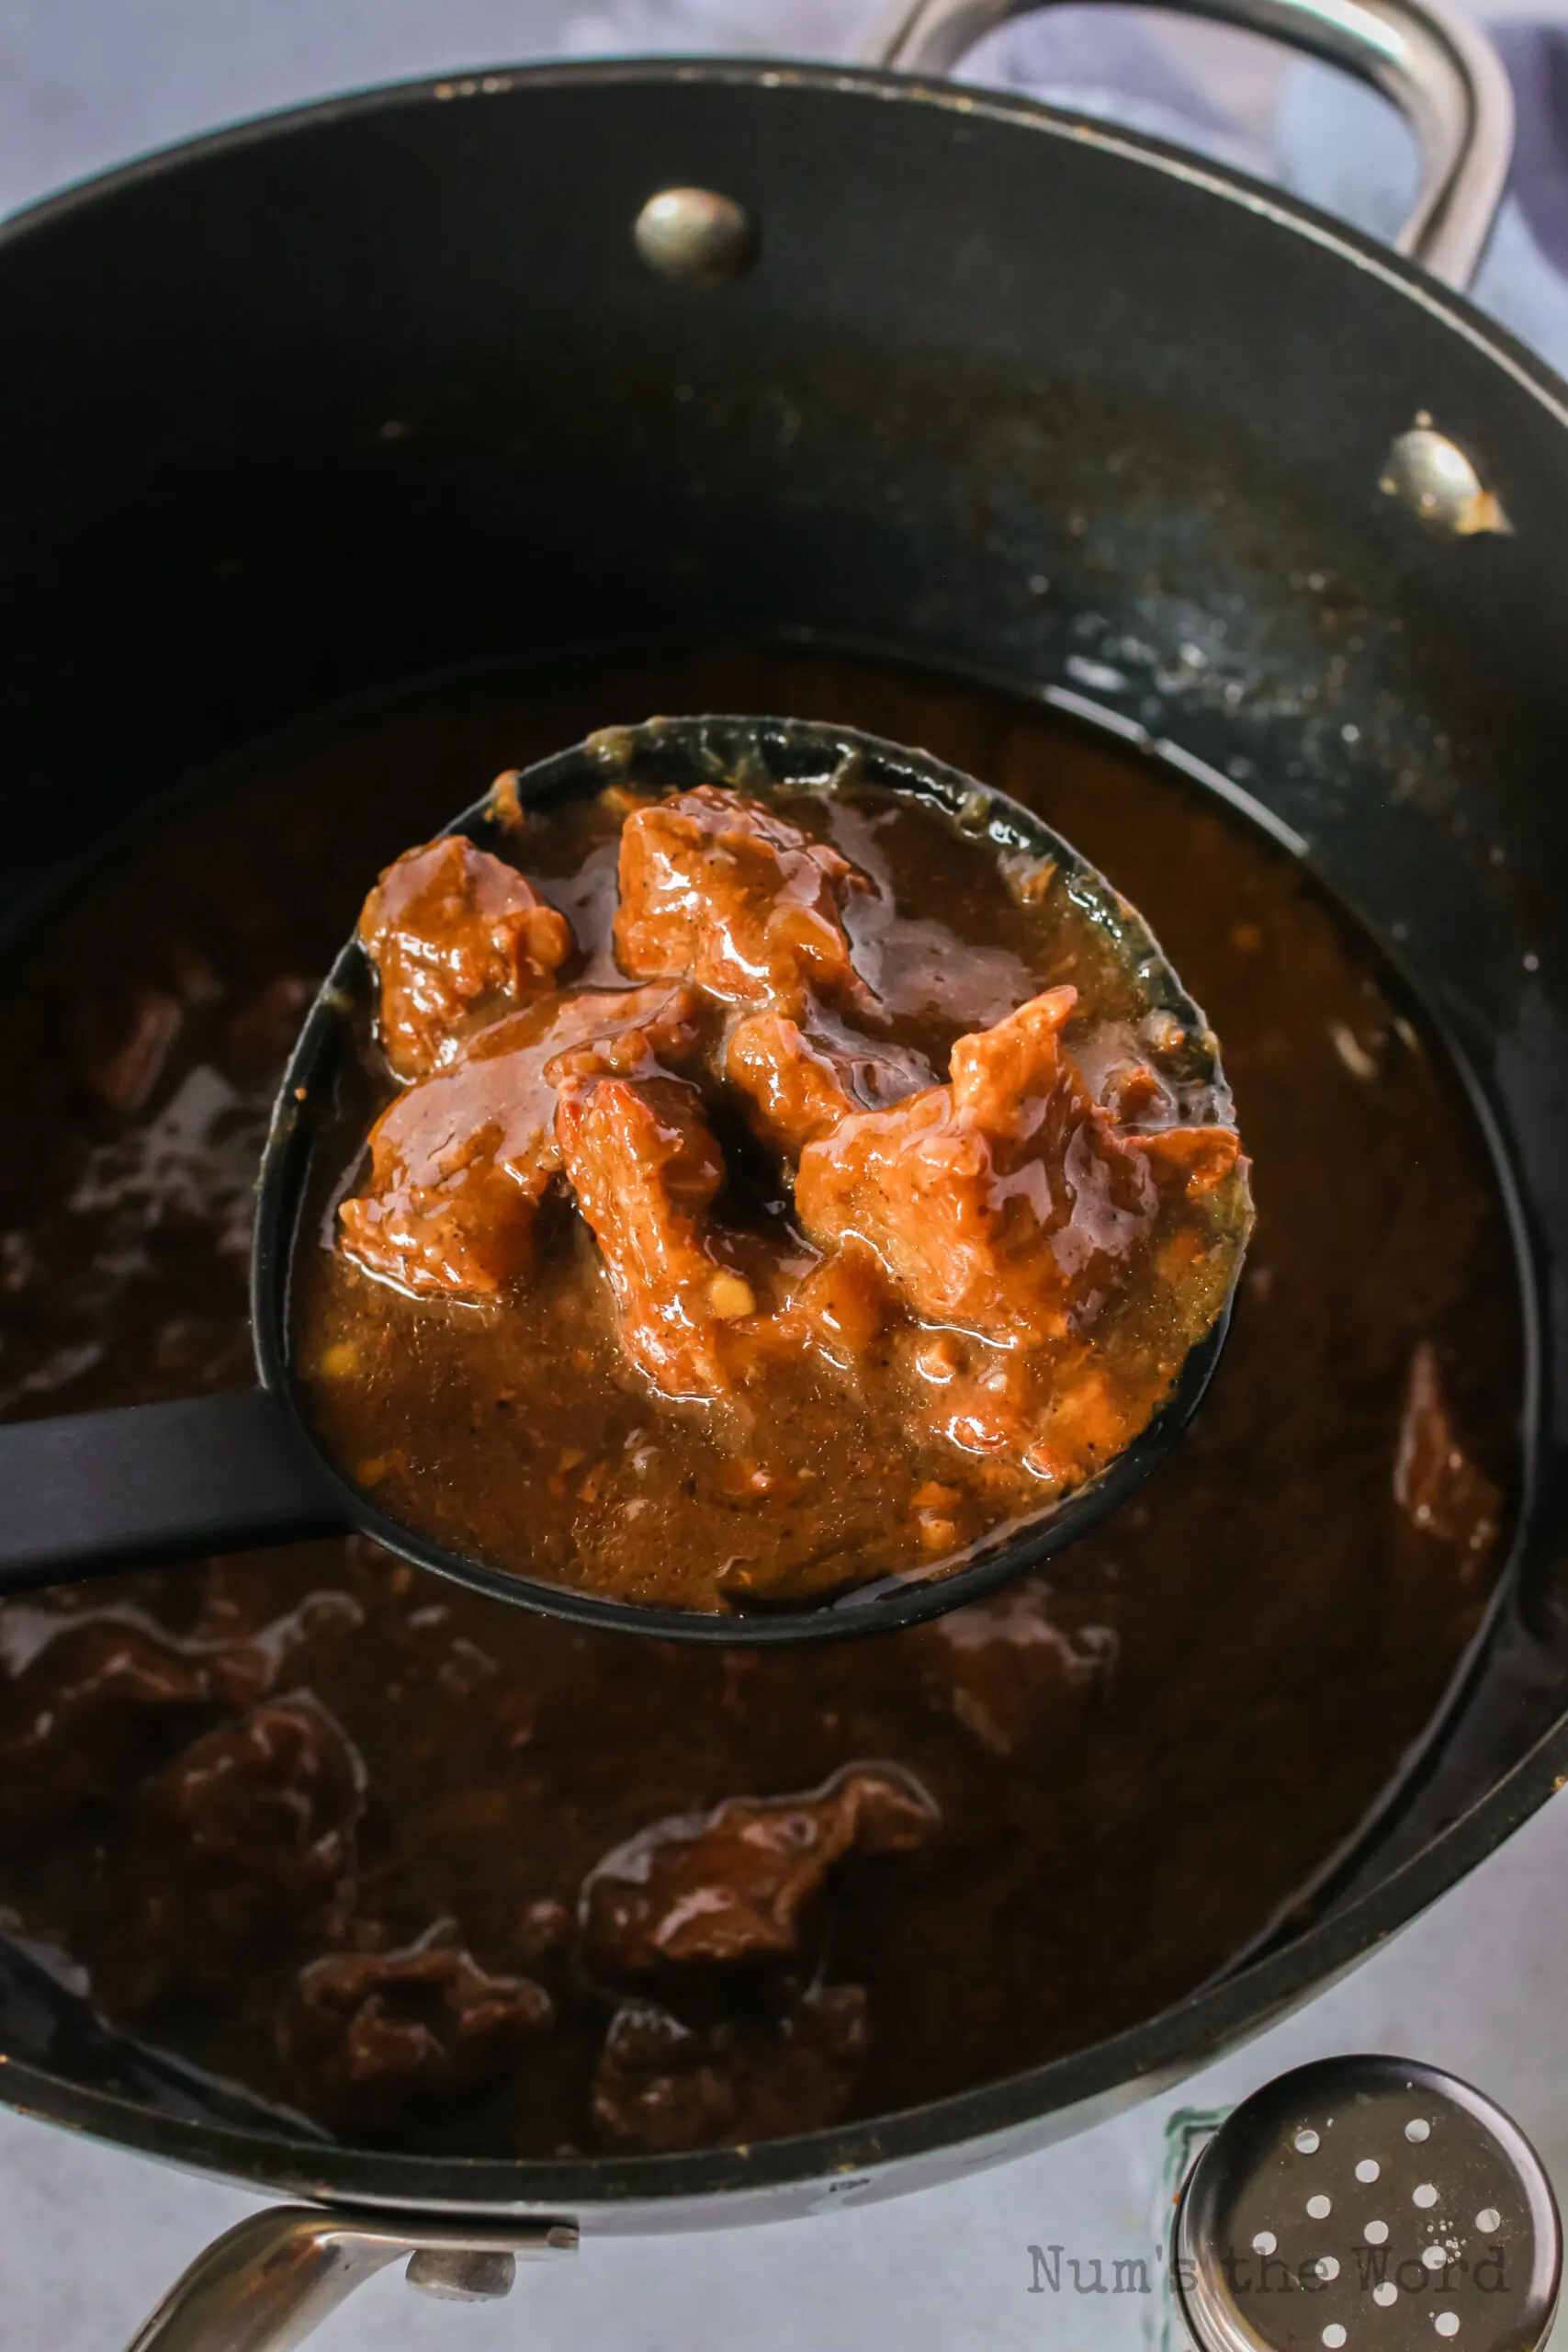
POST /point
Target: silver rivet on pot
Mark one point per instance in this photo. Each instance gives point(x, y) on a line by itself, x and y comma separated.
point(1431, 476)
point(1367, 2202)
point(462, 2274)
point(696, 235)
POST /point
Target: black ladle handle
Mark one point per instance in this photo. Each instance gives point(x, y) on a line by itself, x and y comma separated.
point(87, 1493)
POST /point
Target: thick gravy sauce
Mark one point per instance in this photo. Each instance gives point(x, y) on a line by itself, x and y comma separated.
point(436, 1871)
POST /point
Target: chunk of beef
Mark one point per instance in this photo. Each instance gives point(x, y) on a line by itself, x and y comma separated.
point(1002, 1200)
point(843, 1304)
point(793, 1090)
point(457, 937)
point(123, 1035)
point(370, 2038)
point(460, 1164)
point(245, 1843)
point(122, 1043)
point(1009, 1669)
point(1189, 1159)
point(89, 1711)
point(738, 1883)
point(798, 1082)
point(724, 892)
point(645, 1168)
point(1442, 1492)
point(246, 1648)
point(662, 2086)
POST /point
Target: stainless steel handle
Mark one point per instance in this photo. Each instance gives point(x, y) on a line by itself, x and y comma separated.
point(269, 2282)
point(1439, 70)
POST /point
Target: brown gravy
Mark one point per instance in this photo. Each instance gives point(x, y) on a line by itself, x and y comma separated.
point(825, 1200)
point(1006, 1835)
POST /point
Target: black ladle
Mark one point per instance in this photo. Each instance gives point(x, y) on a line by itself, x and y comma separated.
point(87, 1493)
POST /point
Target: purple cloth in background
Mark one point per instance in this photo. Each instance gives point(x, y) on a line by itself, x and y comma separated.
point(1536, 59)
point(1331, 140)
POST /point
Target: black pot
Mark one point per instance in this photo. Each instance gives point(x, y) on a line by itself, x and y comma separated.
point(387, 385)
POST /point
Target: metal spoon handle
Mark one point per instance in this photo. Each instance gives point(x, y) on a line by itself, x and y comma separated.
point(1438, 68)
point(87, 1493)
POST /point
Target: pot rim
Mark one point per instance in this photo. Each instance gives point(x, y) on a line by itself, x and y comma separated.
point(1191, 2033)
point(1226, 181)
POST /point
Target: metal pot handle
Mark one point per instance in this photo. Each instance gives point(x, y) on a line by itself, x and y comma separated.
point(269, 2282)
point(1439, 70)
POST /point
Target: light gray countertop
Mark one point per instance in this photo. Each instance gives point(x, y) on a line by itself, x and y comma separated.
point(89, 2238)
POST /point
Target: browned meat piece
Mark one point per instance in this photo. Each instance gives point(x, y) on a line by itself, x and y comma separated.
point(245, 1648)
point(723, 891)
point(123, 1035)
point(1002, 1200)
point(1192, 1160)
point(1441, 1491)
point(795, 1092)
point(737, 1884)
point(457, 937)
point(645, 1168)
point(661, 2086)
point(87, 1714)
point(122, 1044)
point(244, 1843)
point(843, 1303)
point(799, 1083)
point(369, 2036)
point(1008, 1668)
point(461, 1162)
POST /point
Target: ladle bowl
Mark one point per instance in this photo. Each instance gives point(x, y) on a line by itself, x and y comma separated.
point(82, 1495)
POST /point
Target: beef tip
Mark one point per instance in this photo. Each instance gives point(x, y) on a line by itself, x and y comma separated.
point(461, 1164)
point(645, 1168)
point(793, 1089)
point(122, 1043)
point(246, 1648)
point(726, 893)
point(843, 1304)
point(1004, 1199)
point(246, 1842)
point(1190, 1160)
point(88, 1713)
point(1441, 1491)
point(457, 937)
point(370, 2037)
point(1008, 1668)
point(738, 1883)
point(798, 1082)
point(662, 2086)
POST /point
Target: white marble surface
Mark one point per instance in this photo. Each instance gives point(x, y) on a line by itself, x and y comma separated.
point(89, 2238)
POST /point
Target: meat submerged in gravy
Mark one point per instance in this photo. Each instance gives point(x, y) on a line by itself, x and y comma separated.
point(1110, 1778)
point(737, 1884)
point(749, 1205)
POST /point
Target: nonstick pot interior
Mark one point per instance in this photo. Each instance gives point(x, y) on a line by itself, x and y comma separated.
point(386, 387)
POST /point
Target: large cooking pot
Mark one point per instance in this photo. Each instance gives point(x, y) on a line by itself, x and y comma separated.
point(389, 384)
